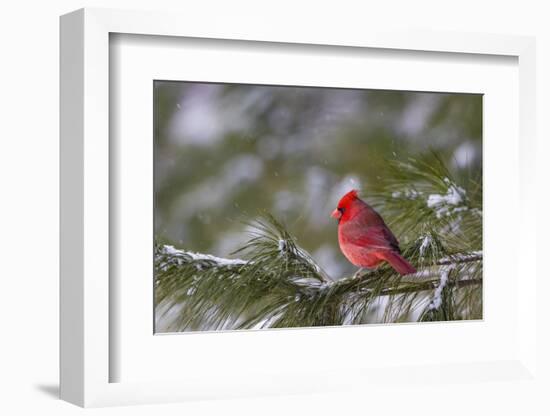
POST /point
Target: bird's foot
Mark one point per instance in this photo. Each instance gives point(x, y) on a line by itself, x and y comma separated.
point(359, 273)
point(364, 273)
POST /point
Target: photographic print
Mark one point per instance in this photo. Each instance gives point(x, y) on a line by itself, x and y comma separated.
point(292, 207)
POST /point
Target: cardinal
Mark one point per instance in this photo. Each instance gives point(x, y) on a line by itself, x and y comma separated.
point(364, 237)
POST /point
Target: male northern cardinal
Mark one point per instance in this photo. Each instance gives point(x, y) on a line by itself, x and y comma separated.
point(364, 238)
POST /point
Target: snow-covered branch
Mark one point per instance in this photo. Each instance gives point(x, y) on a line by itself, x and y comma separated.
point(183, 255)
point(424, 279)
point(275, 283)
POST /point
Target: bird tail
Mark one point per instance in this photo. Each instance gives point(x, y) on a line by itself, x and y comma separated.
point(396, 261)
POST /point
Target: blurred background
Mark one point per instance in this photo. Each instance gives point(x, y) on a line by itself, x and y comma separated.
point(226, 153)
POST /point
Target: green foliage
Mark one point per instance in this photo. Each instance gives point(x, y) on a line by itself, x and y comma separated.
point(279, 285)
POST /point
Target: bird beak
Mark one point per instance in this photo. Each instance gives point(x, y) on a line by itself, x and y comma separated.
point(336, 214)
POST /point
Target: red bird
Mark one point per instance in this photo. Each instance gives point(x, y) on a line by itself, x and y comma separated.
point(364, 238)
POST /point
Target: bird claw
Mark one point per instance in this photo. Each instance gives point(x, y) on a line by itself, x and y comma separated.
point(364, 274)
point(359, 273)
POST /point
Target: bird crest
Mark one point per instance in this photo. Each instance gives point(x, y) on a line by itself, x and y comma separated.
point(348, 198)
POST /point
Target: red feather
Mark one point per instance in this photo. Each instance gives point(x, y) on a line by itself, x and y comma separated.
point(364, 238)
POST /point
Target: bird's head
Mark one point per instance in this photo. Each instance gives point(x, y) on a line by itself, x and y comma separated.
point(347, 205)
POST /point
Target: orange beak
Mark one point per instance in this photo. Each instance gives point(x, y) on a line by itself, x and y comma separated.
point(336, 214)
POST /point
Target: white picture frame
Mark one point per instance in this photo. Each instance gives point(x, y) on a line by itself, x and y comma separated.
point(86, 304)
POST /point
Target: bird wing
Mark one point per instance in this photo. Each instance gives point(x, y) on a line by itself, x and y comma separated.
point(374, 237)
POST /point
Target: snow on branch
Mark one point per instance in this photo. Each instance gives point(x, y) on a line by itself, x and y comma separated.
point(168, 255)
point(275, 283)
point(182, 255)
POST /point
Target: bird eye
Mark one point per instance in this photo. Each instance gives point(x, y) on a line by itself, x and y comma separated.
point(341, 210)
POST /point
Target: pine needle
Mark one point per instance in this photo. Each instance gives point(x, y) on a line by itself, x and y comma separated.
point(276, 284)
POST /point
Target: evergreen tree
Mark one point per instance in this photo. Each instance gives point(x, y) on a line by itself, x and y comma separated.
point(277, 284)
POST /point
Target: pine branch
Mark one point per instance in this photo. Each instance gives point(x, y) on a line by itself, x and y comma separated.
point(277, 284)
point(430, 285)
point(168, 255)
point(371, 285)
point(457, 258)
